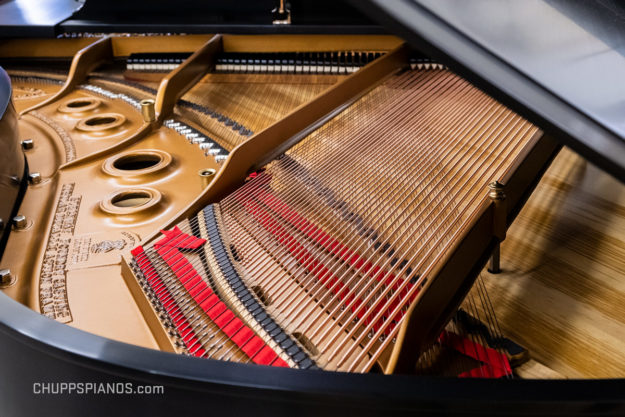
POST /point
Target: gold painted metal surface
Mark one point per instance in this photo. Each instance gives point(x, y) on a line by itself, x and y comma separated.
point(29, 91)
point(85, 129)
point(313, 43)
point(85, 61)
point(81, 214)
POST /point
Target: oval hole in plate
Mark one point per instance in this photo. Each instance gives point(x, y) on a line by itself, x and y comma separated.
point(100, 120)
point(135, 162)
point(79, 103)
point(131, 199)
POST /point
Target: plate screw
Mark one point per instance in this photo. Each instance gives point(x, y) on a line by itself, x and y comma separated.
point(34, 177)
point(20, 221)
point(5, 277)
point(27, 144)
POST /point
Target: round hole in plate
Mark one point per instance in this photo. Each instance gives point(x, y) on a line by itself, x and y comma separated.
point(131, 199)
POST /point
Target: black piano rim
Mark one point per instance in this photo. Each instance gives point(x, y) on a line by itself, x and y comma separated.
point(36, 349)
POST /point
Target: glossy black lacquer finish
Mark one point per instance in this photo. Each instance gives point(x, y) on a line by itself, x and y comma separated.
point(217, 16)
point(49, 18)
point(34, 18)
point(35, 349)
point(560, 63)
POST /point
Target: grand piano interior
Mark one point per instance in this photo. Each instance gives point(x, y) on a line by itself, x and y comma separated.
point(199, 195)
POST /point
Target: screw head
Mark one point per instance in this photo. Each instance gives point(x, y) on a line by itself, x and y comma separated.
point(20, 221)
point(27, 144)
point(5, 276)
point(1, 224)
point(34, 178)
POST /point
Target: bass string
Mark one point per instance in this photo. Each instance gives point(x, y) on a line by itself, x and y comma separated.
point(348, 245)
point(250, 269)
point(296, 174)
point(490, 316)
point(437, 358)
point(489, 308)
point(443, 223)
point(477, 307)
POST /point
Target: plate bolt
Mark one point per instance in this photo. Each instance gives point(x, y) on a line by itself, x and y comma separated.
point(34, 177)
point(20, 221)
point(5, 277)
point(27, 144)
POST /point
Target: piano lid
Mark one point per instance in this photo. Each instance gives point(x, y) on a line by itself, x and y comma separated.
point(34, 18)
point(28, 18)
point(560, 63)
